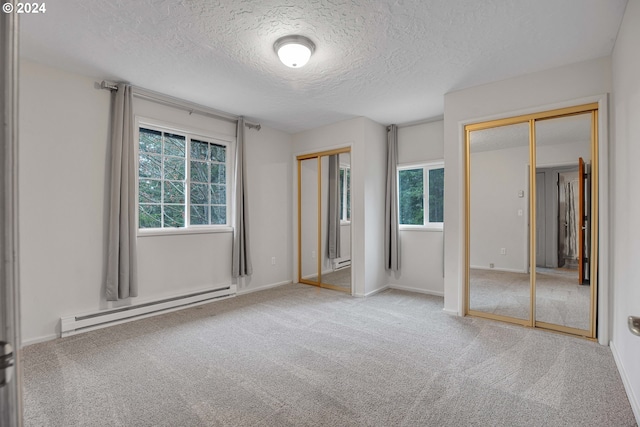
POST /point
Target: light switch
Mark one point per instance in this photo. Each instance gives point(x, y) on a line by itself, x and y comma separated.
point(520, 212)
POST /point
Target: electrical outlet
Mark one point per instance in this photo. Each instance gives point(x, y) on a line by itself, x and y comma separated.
point(273, 260)
point(503, 251)
point(313, 254)
point(491, 265)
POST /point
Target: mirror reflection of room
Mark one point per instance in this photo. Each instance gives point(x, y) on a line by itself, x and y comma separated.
point(503, 214)
point(337, 238)
point(325, 221)
point(563, 163)
point(499, 240)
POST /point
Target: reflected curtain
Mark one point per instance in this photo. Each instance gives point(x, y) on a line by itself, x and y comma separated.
point(122, 269)
point(391, 233)
point(571, 219)
point(241, 259)
point(333, 220)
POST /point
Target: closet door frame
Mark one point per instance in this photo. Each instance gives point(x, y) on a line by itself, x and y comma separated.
point(531, 119)
point(317, 155)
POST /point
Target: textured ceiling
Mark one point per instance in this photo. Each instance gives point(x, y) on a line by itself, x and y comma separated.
point(389, 60)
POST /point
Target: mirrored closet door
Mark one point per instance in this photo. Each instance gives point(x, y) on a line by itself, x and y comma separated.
point(531, 220)
point(324, 219)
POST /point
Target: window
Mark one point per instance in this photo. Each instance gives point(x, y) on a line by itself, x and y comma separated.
point(345, 193)
point(182, 180)
point(417, 207)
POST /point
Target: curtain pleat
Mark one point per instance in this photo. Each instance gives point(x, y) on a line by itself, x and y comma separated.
point(241, 259)
point(122, 270)
point(391, 233)
point(333, 220)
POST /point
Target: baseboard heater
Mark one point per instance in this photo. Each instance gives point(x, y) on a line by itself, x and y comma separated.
point(76, 324)
point(341, 263)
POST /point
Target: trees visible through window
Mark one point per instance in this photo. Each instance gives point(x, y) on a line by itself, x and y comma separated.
point(178, 174)
point(417, 207)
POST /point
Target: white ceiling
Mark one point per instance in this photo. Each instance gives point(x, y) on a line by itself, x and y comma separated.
point(389, 60)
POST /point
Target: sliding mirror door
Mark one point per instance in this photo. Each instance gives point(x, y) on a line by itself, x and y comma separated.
point(308, 260)
point(324, 219)
point(532, 207)
point(564, 163)
point(498, 240)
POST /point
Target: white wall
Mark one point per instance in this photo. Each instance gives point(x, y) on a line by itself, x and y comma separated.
point(64, 122)
point(497, 177)
point(526, 93)
point(374, 147)
point(421, 251)
point(625, 203)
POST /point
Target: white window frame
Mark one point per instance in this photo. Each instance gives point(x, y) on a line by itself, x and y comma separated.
point(189, 133)
point(344, 219)
point(426, 167)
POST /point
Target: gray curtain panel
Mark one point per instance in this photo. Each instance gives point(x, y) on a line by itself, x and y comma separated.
point(391, 235)
point(241, 259)
point(122, 269)
point(333, 219)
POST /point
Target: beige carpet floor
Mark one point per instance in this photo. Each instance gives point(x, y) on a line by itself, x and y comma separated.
point(302, 356)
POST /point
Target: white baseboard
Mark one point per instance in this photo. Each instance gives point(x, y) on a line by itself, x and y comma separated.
point(416, 290)
point(376, 291)
point(451, 312)
point(633, 400)
point(263, 287)
point(508, 270)
point(38, 340)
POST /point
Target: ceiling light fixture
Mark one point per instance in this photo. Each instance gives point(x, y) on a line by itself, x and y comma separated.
point(294, 51)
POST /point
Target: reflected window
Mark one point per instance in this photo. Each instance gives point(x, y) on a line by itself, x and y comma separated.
point(345, 193)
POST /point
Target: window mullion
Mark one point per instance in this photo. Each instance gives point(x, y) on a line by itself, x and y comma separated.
point(425, 195)
point(187, 182)
point(162, 180)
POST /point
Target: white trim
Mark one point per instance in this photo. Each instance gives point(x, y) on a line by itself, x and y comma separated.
point(44, 338)
point(416, 290)
point(263, 287)
point(175, 127)
point(506, 270)
point(604, 303)
point(633, 399)
point(451, 312)
point(429, 164)
point(194, 229)
point(375, 291)
point(432, 226)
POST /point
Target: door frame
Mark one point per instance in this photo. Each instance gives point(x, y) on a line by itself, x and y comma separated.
point(11, 392)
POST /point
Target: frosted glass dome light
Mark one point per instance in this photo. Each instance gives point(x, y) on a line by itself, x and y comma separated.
point(294, 51)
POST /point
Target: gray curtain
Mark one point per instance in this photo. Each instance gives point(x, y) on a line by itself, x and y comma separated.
point(391, 235)
point(241, 259)
point(122, 270)
point(333, 220)
point(571, 219)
